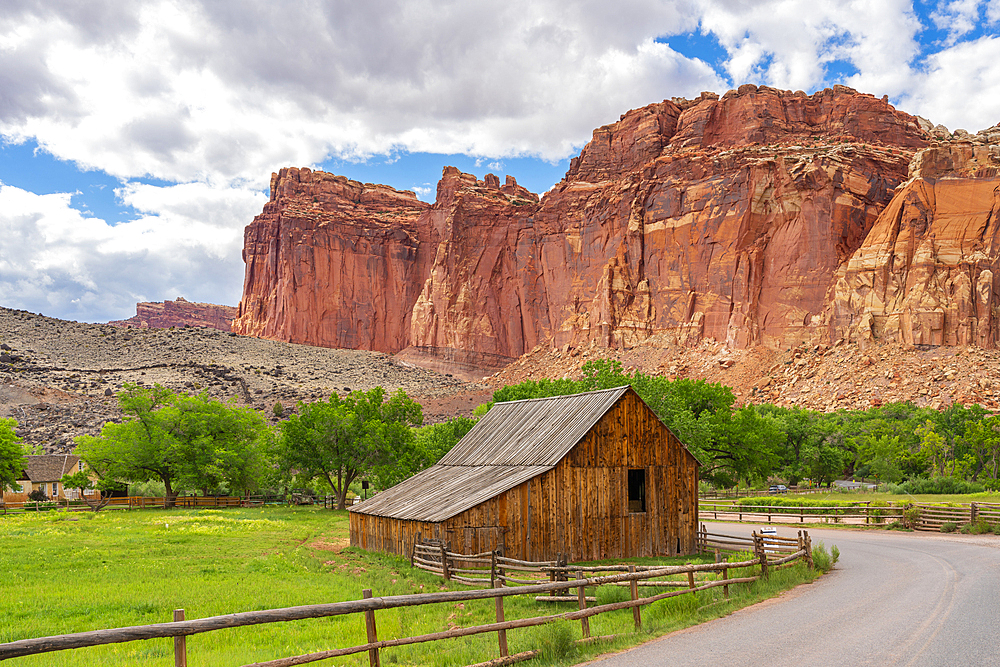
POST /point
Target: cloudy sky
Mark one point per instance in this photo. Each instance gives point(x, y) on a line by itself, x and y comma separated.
point(137, 137)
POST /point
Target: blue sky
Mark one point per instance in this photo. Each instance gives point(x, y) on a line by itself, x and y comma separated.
point(137, 138)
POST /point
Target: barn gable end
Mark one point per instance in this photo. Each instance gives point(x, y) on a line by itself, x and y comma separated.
point(577, 505)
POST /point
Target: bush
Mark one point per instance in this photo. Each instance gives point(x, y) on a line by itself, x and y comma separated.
point(38, 496)
point(949, 527)
point(980, 527)
point(278, 410)
point(824, 560)
point(938, 485)
point(911, 517)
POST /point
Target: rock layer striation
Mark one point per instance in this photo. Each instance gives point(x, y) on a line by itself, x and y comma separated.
point(763, 217)
point(179, 313)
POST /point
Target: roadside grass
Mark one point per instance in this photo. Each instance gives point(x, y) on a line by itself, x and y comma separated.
point(73, 572)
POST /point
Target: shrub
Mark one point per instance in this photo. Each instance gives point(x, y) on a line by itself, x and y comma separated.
point(949, 527)
point(938, 485)
point(825, 560)
point(980, 527)
point(278, 410)
point(911, 517)
point(38, 496)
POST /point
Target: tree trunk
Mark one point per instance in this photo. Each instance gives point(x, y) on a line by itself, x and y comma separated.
point(171, 499)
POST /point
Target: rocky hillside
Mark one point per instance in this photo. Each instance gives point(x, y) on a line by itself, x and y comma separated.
point(58, 378)
point(761, 218)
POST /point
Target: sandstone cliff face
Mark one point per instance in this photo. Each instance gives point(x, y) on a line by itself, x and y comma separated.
point(179, 313)
point(751, 219)
point(927, 272)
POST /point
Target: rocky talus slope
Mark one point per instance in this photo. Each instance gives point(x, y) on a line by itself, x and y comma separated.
point(58, 378)
point(761, 218)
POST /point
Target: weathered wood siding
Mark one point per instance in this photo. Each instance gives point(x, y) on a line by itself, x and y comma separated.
point(580, 507)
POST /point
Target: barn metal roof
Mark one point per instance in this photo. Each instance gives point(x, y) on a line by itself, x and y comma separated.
point(441, 492)
point(514, 442)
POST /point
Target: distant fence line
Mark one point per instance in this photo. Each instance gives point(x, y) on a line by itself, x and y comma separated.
point(860, 513)
point(769, 552)
point(145, 502)
point(919, 516)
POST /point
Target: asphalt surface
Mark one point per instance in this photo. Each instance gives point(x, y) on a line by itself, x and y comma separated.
point(907, 599)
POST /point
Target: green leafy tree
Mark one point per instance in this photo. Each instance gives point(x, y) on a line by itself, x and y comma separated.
point(430, 443)
point(11, 455)
point(81, 481)
point(343, 438)
point(218, 445)
point(883, 454)
point(983, 440)
point(182, 441)
point(934, 445)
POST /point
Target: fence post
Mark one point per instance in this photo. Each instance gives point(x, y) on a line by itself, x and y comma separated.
point(634, 586)
point(809, 550)
point(444, 563)
point(973, 512)
point(725, 577)
point(758, 547)
point(501, 633)
point(373, 659)
point(180, 643)
point(553, 577)
point(581, 598)
point(493, 569)
point(690, 577)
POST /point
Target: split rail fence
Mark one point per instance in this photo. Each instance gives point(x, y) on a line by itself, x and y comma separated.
point(861, 513)
point(932, 517)
point(143, 502)
point(636, 577)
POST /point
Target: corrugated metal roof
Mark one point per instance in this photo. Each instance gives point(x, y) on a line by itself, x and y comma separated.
point(441, 492)
point(514, 442)
point(532, 432)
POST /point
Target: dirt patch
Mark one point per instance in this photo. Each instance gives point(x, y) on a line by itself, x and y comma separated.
point(336, 546)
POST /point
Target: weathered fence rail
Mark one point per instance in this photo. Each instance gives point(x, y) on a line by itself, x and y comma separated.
point(933, 517)
point(368, 605)
point(856, 514)
point(145, 502)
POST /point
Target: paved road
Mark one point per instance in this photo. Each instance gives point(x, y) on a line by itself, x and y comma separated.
point(907, 599)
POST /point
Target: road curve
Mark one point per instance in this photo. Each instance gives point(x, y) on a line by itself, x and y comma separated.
point(906, 599)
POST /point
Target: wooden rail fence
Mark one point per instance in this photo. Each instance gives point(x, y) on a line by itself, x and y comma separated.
point(856, 514)
point(932, 517)
point(180, 629)
point(145, 502)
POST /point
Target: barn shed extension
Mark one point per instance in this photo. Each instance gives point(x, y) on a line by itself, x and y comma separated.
point(588, 476)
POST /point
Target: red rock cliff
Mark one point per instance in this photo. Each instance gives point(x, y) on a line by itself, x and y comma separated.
point(179, 313)
point(753, 218)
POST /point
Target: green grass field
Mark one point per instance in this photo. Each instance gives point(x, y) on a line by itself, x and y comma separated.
point(72, 572)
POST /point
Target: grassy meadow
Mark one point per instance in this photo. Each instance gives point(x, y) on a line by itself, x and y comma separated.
point(73, 572)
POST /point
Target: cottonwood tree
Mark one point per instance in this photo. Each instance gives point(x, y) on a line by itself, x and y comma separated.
point(81, 481)
point(343, 438)
point(11, 455)
point(182, 441)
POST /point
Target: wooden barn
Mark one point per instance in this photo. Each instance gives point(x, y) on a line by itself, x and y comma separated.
point(589, 476)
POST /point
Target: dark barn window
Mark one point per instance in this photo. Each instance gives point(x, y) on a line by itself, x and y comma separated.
point(636, 490)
